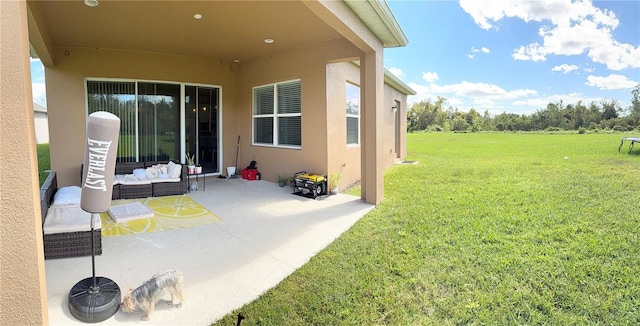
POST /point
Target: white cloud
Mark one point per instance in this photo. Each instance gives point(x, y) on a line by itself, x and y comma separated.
point(396, 72)
point(476, 50)
point(484, 11)
point(495, 99)
point(466, 95)
point(480, 90)
point(577, 27)
point(613, 81)
point(429, 76)
point(537, 103)
point(39, 93)
point(565, 68)
point(531, 52)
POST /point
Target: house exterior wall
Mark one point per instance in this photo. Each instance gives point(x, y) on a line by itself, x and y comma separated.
point(393, 97)
point(66, 96)
point(41, 124)
point(338, 74)
point(309, 65)
point(323, 83)
point(23, 299)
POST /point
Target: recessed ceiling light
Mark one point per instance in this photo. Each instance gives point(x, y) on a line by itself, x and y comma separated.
point(268, 40)
point(197, 16)
point(91, 3)
point(236, 60)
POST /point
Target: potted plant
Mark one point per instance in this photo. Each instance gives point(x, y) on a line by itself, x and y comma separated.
point(334, 181)
point(282, 180)
point(191, 166)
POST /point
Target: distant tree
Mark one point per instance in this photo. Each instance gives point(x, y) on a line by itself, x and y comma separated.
point(458, 123)
point(634, 110)
point(609, 109)
point(606, 114)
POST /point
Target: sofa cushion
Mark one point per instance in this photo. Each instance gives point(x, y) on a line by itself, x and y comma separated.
point(131, 179)
point(67, 196)
point(69, 219)
point(174, 170)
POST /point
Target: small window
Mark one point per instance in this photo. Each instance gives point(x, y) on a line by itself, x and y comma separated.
point(277, 115)
point(353, 114)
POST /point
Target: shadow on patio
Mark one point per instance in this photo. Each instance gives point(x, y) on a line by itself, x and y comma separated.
point(265, 234)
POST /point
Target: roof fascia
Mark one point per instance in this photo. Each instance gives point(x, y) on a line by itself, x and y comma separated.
point(393, 81)
point(384, 24)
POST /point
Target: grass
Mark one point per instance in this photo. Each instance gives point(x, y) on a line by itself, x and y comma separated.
point(44, 162)
point(487, 229)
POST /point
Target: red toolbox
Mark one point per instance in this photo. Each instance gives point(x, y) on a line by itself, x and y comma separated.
point(249, 174)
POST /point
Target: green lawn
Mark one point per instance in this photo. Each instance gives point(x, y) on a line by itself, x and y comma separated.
point(44, 162)
point(487, 229)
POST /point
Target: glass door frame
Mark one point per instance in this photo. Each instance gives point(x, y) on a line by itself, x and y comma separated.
point(183, 124)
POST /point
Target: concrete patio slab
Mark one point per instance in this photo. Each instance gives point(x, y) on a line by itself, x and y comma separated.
point(266, 233)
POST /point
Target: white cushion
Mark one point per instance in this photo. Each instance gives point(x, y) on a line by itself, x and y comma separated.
point(164, 178)
point(131, 179)
point(67, 196)
point(174, 170)
point(162, 169)
point(130, 212)
point(62, 219)
point(152, 172)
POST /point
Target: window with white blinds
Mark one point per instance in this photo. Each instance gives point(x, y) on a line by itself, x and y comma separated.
point(353, 114)
point(277, 115)
point(149, 117)
point(118, 98)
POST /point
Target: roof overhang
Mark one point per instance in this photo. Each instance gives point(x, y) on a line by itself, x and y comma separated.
point(398, 84)
point(228, 30)
point(379, 18)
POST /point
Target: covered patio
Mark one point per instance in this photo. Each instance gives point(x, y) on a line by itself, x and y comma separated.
point(266, 233)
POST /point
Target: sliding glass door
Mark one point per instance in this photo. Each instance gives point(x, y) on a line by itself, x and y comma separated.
point(150, 120)
point(201, 125)
point(158, 121)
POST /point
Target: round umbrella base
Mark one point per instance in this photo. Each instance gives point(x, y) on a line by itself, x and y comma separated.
point(94, 304)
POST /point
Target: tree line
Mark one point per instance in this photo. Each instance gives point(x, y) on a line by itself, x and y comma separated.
point(598, 115)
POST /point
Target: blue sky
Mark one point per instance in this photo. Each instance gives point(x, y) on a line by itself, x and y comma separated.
point(518, 56)
point(508, 56)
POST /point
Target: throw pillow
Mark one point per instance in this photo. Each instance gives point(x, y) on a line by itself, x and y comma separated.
point(140, 173)
point(67, 196)
point(174, 170)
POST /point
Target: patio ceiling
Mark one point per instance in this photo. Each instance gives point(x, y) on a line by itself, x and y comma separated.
point(227, 31)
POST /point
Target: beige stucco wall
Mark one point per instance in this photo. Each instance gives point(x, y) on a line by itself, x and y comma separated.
point(22, 279)
point(66, 96)
point(309, 65)
point(323, 99)
point(338, 74)
point(393, 97)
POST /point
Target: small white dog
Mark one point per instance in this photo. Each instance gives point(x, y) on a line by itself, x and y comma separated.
point(147, 294)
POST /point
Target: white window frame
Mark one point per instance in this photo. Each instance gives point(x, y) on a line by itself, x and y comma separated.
point(274, 116)
point(182, 108)
point(351, 115)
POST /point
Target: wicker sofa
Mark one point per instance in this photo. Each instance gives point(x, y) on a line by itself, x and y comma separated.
point(146, 188)
point(65, 244)
point(154, 188)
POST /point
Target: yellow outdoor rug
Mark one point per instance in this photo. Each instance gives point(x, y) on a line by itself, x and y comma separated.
point(171, 212)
